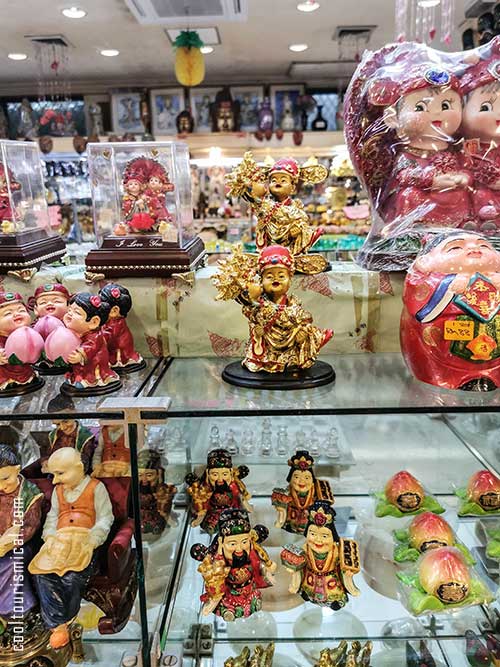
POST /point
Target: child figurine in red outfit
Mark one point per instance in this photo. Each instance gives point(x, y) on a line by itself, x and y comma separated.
point(91, 373)
point(7, 215)
point(122, 354)
point(51, 299)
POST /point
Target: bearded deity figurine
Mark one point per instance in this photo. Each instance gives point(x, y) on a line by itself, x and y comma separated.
point(281, 220)
point(78, 522)
point(292, 504)
point(155, 495)
point(284, 342)
point(123, 357)
point(91, 373)
point(234, 567)
point(218, 488)
point(402, 114)
point(20, 520)
point(450, 325)
point(323, 569)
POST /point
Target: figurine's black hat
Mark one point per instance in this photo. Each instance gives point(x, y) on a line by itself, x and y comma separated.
point(321, 514)
point(149, 459)
point(219, 458)
point(233, 522)
point(301, 460)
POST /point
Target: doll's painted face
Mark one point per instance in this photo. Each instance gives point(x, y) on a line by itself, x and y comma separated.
point(76, 320)
point(66, 426)
point(465, 254)
point(301, 481)
point(9, 478)
point(155, 184)
point(428, 117)
point(148, 477)
point(133, 187)
point(219, 477)
point(66, 466)
point(276, 281)
point(51, 303)
point(12, 316)
point(320, 539)
point(281, 185)
point(236, 546)
point(481, 118)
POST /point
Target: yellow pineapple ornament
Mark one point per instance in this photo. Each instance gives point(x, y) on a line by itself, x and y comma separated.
point(189, 61)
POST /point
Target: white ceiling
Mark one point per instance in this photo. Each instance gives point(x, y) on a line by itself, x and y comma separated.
point(255, 51)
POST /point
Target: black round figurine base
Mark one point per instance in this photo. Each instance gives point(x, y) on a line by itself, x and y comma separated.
point(48, 369)
point(21, 389)
point(130, 368)
point(319, 374)
point(69, 390)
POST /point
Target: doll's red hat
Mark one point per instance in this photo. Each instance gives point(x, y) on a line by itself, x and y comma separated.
point(484, 72)
point(52, 287)
point(137, 169)
point(276, 255)
point(10, 297)
point(159, 171)
point(287, 165)
point(388, 89)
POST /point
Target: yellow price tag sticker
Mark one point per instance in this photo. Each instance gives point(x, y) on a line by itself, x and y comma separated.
point(458, 330)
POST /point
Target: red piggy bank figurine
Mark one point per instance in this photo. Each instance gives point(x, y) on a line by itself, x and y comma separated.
point(450, 325)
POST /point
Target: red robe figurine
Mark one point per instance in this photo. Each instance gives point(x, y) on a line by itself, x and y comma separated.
point(13, 315)
point(6, 212)
point(450, 325)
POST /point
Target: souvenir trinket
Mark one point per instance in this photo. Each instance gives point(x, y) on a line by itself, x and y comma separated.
point(50, 304)
point(225, 112)
point(112, 454)
point(404, 495)
point(155, 495)
point(482, 495)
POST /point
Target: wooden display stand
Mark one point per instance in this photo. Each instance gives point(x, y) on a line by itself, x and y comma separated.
point(28, 249)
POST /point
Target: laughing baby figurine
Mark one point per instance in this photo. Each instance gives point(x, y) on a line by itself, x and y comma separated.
point(51, 303)
point(122, 355)
point(450, 325)
point(282, 334)
point(91, 373)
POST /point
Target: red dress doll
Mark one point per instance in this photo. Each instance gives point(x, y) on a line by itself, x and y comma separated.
point(158, 185)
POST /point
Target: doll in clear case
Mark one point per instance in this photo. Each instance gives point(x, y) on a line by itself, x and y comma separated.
point(122, 354)
point(218, 488)
point(234, 567)
point(292, 504)
point(7, 215)
point(323, 569)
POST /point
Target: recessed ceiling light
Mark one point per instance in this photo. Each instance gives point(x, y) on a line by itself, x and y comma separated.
point(207, 49)
point(428, 3)
point(17, 56)
point(308, 6)
point(74, 12)
point(298, 47)
point(110, 53)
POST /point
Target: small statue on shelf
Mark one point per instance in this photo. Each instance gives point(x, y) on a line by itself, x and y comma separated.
point(218, 488)
point(50, 304)
point(8, 185)
point(450, 320)
point(122, 354)
point(282, 335)
point(234, 567)
point(258, 657)
point(155, 495)
point(19, 498)
point(343, 656)
point(78, 522)
point(96, 128)
point(292, 504)
point(281, 220)
point(112, 454)
point(91, 373)
point(322, 570)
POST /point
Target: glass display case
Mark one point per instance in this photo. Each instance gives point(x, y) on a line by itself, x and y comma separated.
point(28, 234)
point(143, 216)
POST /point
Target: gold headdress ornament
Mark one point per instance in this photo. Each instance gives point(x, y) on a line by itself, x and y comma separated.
point(246, 173)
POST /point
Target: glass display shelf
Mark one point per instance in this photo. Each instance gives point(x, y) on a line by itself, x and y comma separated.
point(365, 384)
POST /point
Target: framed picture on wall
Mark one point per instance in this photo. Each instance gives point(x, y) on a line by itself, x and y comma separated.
point(166, 105)
point(280, 96)
point(200, 100)
point(126, 111)
point(250, 99)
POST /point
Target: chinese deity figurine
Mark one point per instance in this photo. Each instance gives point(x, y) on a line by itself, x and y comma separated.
point(234, 567)
point(219, 488)
point(91, 373)
point(112, 454)
point(20, 520)
point(292, 504)
point(323, 569)
point(78, 522)
point(281, 220)
point(16, 356)
point(122, 355)
point(155, 495)
point(282, 334)
point(8, 185)
point(450, 320)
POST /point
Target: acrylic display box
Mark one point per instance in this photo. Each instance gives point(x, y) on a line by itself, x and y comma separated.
point(27, 237)
point(141, 194)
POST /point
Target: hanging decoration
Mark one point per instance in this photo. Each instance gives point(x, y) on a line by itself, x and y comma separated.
point(189, 60)
point(53, 71)
point(416, 20)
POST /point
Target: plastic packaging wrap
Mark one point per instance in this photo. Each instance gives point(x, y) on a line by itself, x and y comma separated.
point(481, 496)
point(404, 495)
point(441, 580)
point(421, 127)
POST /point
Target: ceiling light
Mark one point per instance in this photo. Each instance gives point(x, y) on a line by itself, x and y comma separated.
point(110, 53)
point(308, 6)
point(17, 56)
point(298, 47)
point(74, 13)
point(428, 3)
point(207, 49)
